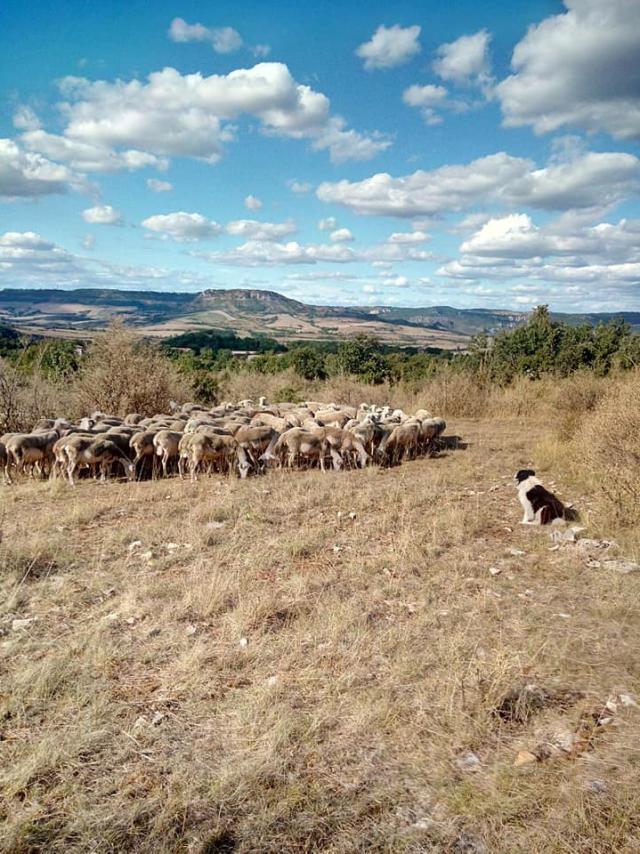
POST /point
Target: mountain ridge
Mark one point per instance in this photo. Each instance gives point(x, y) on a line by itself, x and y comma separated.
point(250, 311)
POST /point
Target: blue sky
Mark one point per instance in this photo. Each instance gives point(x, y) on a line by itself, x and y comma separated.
point(465, 154)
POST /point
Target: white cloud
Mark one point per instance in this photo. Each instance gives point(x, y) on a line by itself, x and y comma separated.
point(329, 223)
point(344, 145)
point(395, 281)
point(256, 253)
point(223, 39)
point(102, 215)
point(88, 242)
point(87, 156)
point(261, 51)
point(465, 61)
point(581, 183)
point(578, 69)
point(590, 265)
point(133, 124)
point(24, 174)
point(159, 186)
point(389, 47)
point(251, 229)
point(299, 187)
point(182, 227)
point(252, 203)
point(410, 237)
point(25, 118)
point(341, 235)
point(427, 99)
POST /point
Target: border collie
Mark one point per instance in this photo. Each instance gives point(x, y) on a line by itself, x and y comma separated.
point(540, 506)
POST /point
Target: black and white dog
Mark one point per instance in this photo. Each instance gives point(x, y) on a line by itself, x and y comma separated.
point(540, 506)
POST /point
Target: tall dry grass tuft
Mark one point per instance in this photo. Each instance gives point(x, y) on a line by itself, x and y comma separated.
point(26, 398)
point(608, 443)
point(123, 374)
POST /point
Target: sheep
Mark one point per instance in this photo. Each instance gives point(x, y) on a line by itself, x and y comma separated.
point(31, 449)
point(99, 452)
point(297, 443)
point(166, 446)
point(201, 448)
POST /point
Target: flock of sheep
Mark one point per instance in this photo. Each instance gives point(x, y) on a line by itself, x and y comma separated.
point(246, 437)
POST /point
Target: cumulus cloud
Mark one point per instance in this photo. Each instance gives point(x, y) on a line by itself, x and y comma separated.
point(597, 263)
point(578, 69)
point(257, 253)
point(88, 156)
point(299, 187)
point(465, 61)
point(341, 235)
point(222, 39)
point(581, 183)
point(29, 260)
point(24, 174)
point(252, 203)
point(102, 215)
point(88, 242)
point(329, 223)
point(133, 124)
point(389, 47)
point(251, 229)
point(25, 118)
point(427, 99)
point(182, 226)
point(409, 237)
point(159, 186)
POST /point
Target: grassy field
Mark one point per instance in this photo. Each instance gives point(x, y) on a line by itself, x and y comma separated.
point(301, 663)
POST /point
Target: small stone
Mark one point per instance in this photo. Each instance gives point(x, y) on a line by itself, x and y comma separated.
point(272, 680)
point(170, 547)
point(113, 616)
point(17, 625)
point(627, 700)
point(214, 526)
point(596, 787)
point(130, 620)
point(157, 719)
point(495, 570)
point(154, 633)
point(622, 566)
point(244, 643)
point(516, 552)
point(468, 762)
point(563, 616)
point(190, 631)
point(594, 564)
point(554, 548)
point(567, 536)
point(140, 722)
point(524, 757)
point(136, 544)
point(337, 549)
point(352, 515)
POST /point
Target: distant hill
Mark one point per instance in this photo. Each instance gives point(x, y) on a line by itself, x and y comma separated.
point(256, 312)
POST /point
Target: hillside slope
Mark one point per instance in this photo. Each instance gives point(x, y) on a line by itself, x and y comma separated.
point(261, 673)
point(251, 312)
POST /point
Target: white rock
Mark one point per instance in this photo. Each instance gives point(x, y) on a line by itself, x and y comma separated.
point(468, 761)
point(135, 545)
point(271, 681)
point(17, 625)
point(495, 570)
point(244, 643)
point(627, 700)
point(623, 566)
point(352, 515)
point(146, 555)
point(516, 552)
point(190, 631)
point(157, 718)
point(213, 526)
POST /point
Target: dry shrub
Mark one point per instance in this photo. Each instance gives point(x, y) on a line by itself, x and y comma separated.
point(25, 398)
point(123, 374)
point(608, 443)
point(574, 397)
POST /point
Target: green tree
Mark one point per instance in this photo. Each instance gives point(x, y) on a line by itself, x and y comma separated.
point(309, 363)
point(361, 356)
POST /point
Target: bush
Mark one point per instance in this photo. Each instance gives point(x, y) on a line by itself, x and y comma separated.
point(122, 374)
point(608, 445)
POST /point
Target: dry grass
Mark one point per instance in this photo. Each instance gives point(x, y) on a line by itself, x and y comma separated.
point(134, 717)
